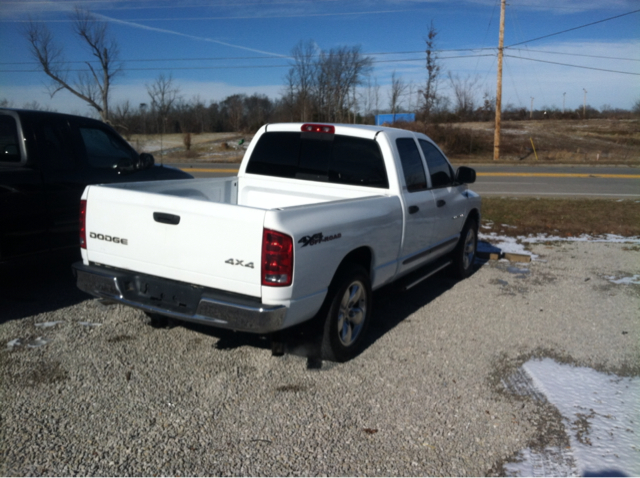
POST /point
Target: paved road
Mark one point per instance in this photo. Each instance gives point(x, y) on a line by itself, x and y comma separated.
point(501, 180)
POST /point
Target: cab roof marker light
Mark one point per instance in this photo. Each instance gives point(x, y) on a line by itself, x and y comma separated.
point(318, 128)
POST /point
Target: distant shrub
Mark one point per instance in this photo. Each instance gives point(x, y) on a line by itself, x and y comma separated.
point(186, 140)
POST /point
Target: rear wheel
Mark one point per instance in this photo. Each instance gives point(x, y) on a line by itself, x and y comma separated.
point(464, 255)
point(347, 317)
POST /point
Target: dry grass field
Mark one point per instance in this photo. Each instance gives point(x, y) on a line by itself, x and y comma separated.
point(561, 217)
point(596, 141)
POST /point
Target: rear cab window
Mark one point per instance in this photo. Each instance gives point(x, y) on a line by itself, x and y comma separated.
point(333, 158)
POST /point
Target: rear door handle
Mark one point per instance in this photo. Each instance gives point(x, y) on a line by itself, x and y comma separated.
point(413, 209)
point(165, 218)
point(441, 202)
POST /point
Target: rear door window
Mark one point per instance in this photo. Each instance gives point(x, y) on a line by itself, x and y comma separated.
point(412, 165)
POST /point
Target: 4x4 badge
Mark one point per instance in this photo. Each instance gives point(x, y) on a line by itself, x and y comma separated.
point(238, 262)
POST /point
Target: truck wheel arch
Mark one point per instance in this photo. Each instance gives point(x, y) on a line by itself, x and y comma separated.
point(361, 256)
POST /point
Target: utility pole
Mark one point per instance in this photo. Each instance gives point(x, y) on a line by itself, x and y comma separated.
point(531, 109)
point(496, 136)
point(584, 105)
point(563, 98)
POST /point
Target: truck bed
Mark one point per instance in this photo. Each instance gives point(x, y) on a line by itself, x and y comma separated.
point(260, 193)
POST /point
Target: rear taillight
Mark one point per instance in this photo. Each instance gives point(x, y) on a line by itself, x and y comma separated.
point(277, 259)
point(318, 128)
point(83, 223)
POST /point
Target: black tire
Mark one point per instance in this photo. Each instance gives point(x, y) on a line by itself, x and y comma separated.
point(155, 320)
point(346, 314)
point(464, 255)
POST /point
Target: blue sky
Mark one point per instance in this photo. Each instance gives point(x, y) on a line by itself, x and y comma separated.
point(215, 48)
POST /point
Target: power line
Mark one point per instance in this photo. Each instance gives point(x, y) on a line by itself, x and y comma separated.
point(575, 54)
point(268, 57)
point(575, 66)
point(233, 67)
point(574, 28)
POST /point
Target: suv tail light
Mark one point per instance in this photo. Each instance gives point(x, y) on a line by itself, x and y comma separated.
point(318, 128)
point(277, 259)
point(83, 223)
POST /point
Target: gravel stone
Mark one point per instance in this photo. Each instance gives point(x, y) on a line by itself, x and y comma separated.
point(104, 394)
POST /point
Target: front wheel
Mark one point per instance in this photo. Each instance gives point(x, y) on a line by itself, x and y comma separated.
point(464, 255)
point(347, 318)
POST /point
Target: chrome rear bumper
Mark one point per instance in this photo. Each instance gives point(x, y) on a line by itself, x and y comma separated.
point(180, 300)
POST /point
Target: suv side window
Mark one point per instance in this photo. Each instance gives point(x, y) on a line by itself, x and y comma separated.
point(104, 149)
point(439, 169)
point(9, 146)
point(412, 165)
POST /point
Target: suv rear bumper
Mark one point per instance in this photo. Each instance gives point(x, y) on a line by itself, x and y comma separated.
point(180, 300)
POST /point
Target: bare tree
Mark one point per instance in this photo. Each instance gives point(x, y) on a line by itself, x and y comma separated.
point(464, 92)
point(123, 118)
point(339, 70)
point(430, 92)
point(302, 76)
point(398, 88)
point(320, 84)
point(233, 110)
point(163, 94)
point(91, 84)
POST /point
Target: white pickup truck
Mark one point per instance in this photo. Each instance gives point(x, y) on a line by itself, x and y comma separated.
point(318, 217)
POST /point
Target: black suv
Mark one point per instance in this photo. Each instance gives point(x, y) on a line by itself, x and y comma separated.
point(46, 161)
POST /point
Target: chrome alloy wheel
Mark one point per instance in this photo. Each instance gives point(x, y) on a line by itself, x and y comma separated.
point(353, 310)
point(469, 249)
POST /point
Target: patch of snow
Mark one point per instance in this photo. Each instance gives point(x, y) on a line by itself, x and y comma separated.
point(49, 324)
point(517, 244)
point(635, 279)
point(600, 414)
point(504, 243)
point(614, 238)
point(90, 324)
point(38, 342)
point(14, 343)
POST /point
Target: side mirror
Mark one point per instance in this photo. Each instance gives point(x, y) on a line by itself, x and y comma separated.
point(146, 161)
point(465, 175)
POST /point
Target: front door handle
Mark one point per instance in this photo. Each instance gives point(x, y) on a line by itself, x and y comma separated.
point(441, 202)
point(413, 209)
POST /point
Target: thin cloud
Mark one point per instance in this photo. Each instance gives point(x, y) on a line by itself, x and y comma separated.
point(193, 37)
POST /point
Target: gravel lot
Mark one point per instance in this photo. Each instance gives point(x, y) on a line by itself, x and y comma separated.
point(100, 393)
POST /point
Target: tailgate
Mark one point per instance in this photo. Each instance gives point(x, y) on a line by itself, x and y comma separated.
point(206, 243)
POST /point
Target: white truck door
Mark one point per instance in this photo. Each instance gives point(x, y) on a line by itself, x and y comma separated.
point(450, 202)
point(420, 207)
